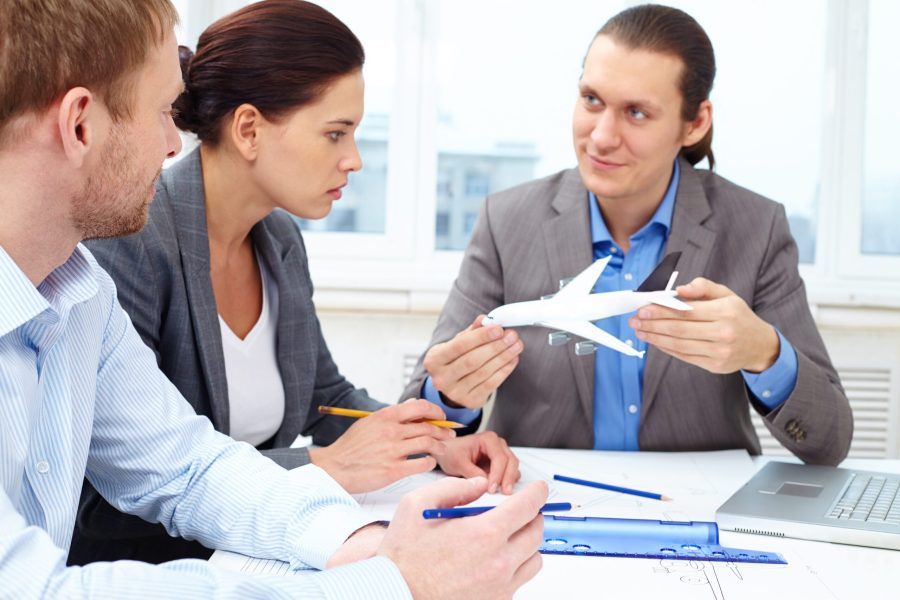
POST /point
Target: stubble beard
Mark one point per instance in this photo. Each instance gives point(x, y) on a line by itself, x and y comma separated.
point(114, 200)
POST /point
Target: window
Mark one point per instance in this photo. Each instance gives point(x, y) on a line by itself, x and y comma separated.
point(881, 168)
point(768, 100)
point(465, 98)
point(362, 208)
point(504, 101)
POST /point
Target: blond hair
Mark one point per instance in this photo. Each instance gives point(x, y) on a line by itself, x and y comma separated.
point(47, 47)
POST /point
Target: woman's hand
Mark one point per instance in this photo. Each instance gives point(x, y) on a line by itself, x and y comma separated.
point(482, 455)
point(373, 452)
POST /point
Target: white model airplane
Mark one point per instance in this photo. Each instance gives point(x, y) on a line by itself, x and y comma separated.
point(572, 309)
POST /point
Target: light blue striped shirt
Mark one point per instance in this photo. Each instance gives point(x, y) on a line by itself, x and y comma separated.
point(81, 395)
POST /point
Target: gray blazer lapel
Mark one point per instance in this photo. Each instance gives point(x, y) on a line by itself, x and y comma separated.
point(696, 244)
point(185, 182)
point(567, 238)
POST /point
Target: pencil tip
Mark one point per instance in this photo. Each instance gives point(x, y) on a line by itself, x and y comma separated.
point(666, 499)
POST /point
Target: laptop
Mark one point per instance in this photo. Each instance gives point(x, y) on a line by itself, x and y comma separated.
point(812, 502)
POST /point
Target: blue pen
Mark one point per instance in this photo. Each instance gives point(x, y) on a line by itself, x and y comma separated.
point(612, 488)
point(470, 511)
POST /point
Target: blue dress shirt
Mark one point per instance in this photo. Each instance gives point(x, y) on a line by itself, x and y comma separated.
point(81, 395)
point(618, 379)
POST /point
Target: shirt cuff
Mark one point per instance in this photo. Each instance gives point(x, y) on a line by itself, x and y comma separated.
point(460, 415)
point(774, 385)
point(361, 579)
point(329, 528)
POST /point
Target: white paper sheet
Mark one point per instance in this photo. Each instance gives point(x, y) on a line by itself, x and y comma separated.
point(699, 482)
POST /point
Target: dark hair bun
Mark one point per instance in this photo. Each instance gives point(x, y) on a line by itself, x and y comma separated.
point(184, 113)
point(277, 56)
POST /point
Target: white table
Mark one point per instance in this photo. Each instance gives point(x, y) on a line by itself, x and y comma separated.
point(815, 569)
point(699, 482)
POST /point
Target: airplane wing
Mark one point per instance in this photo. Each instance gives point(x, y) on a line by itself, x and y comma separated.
point(589, 331)
point(584, 281)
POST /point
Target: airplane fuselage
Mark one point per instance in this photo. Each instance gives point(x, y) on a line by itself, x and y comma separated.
point(592, 307)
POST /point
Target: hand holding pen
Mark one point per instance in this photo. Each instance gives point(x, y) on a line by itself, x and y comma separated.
point(504, 540)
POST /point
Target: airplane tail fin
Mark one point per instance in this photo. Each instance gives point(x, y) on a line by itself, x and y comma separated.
point(672, 302)
point(663, 276)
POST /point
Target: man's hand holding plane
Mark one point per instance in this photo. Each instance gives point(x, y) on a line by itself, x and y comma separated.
point(714, 330)
point(721, 334)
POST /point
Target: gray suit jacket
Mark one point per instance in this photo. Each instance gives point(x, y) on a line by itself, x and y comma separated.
point(163, 283)
point(529, 237)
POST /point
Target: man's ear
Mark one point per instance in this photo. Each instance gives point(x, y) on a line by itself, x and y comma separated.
point(245, 130)
point(76, 121)
point(696, 129)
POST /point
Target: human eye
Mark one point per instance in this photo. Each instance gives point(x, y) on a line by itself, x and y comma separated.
point(637, 114)
point(591, 99)
point(335, 136)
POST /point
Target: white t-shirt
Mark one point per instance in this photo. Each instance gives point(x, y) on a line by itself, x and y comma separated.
point(255, 389)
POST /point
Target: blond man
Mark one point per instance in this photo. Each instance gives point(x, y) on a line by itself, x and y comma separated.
point(86, 88)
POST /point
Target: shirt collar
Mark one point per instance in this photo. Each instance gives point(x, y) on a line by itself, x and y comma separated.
point(662, 216)
point(72, 282)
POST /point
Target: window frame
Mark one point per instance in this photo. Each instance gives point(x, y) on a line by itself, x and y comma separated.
point(402, 270)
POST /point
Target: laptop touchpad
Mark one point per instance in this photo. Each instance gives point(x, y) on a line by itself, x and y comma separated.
point(807, 490)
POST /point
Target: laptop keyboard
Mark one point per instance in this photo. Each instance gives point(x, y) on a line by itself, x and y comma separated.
point(869, 498)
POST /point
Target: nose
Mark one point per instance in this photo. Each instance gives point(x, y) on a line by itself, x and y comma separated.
point(605, 134)
point(352, 161)
point(173, 140)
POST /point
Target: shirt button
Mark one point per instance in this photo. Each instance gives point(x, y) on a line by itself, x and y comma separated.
point(612, 250)
point(43, 467)
point(628, 276)
point(632, 408)
point(767, 393)
point(629, 342)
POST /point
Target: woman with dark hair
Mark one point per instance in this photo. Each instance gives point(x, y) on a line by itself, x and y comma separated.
point(218, 285)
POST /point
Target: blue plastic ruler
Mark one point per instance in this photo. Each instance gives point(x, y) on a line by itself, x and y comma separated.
point(639, 538)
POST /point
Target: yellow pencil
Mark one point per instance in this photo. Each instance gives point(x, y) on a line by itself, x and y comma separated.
point(350, 412)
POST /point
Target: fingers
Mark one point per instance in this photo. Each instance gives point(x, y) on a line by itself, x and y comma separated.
point(448, 492)
point(476, 323)
point(502, 350)
point(423, 429)
point(519, 509)
point(499, 460)
point(498, 454)
point(469, 469)
point(414, 466)
point(413, 410)
point(512, 474)
point(489, 371)
point(467, 341)
point(421, 445)
point(717, 309)
point(676, 345)
point(526, 541)
point(702, 288)
point(707, 331)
